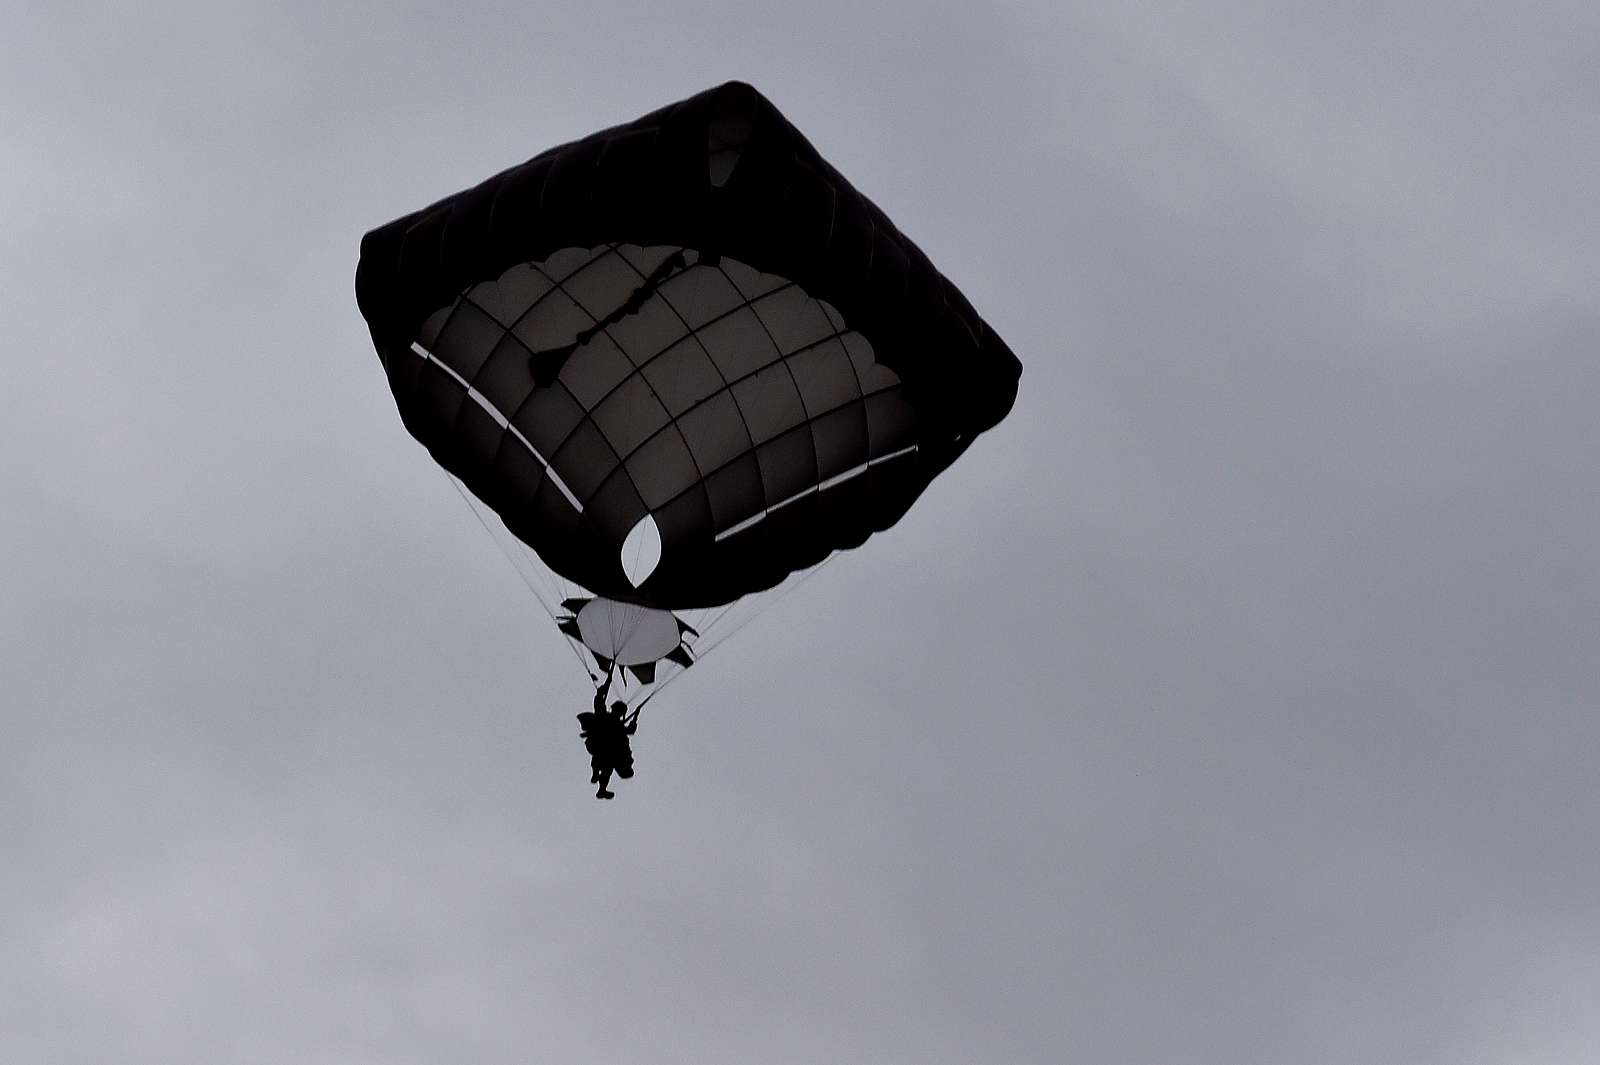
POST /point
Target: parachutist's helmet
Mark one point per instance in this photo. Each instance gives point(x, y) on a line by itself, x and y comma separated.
point(619, 708)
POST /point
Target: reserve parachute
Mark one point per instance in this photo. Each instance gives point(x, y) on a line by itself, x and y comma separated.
point(675, 364)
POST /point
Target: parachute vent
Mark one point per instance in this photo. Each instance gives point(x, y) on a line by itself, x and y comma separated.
point(641, 551)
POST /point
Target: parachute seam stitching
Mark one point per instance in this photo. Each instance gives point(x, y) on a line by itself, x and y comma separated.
point(690, 333)
point(782, 360)
point(621, 459)
point(510, 429)
point(588, 413)
point(859, 400)
point(673, 419)
point(727, 382)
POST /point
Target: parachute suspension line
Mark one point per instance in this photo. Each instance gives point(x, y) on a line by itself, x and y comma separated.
point(783, 593)
point(701, 649)
point(564, 590)
point(549, 604)
point(509, 557)
point(633, 563)
point(646, 699)
point(467, 499)
point(555, 586)
point(708, 622)
point(615, 621)
point(716, 619)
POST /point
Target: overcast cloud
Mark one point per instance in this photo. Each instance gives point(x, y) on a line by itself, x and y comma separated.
point(1232, 703)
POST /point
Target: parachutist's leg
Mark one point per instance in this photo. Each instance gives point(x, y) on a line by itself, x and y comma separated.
point(605, 778)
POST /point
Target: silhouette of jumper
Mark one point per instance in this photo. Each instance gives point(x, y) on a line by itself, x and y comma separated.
point(605, 736)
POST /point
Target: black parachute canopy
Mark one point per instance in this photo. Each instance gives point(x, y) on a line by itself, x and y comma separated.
point(681, 358)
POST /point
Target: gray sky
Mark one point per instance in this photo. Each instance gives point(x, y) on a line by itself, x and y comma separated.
point(1234, 702)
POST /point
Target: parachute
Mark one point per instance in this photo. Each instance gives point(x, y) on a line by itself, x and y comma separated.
point(675, 364)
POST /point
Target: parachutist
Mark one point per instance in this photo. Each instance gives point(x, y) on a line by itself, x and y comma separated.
point(713, 319)
point(605, 736)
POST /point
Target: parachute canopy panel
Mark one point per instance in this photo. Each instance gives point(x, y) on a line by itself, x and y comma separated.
point(627, 634)
point(681, 358)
